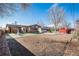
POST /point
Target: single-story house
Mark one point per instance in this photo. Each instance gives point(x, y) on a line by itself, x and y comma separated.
point(34, 28)
point(45, 29)
point(10, 28)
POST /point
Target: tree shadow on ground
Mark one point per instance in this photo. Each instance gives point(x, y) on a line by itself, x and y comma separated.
point(16, 49)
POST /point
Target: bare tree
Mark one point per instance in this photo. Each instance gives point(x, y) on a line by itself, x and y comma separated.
point(76, 32)
point(24, 5)
point(7, 9)
point(41, 23)
point(56, 15)
point(66, 24)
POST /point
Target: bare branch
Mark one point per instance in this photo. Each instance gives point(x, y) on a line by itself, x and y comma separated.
point(7, 9)
point(56, 15)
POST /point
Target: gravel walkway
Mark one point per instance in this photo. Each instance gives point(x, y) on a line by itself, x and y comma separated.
point(16, 49)
point(4, 49)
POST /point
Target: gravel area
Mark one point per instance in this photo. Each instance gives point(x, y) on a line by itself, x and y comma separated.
point(4, 49)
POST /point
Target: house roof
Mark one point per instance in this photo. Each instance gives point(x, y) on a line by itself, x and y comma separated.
point(12, 25)
point(35, 25)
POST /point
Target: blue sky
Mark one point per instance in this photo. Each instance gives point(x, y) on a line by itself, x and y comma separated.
point(38, 12)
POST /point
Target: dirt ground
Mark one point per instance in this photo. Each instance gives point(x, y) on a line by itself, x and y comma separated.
point(49, 44)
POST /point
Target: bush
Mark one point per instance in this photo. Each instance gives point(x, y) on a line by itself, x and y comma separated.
point(76, 35)
point(51, 30)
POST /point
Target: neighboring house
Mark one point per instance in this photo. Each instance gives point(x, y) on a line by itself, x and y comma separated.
point(10, 28)
point(34, 28)
point(45, 29)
